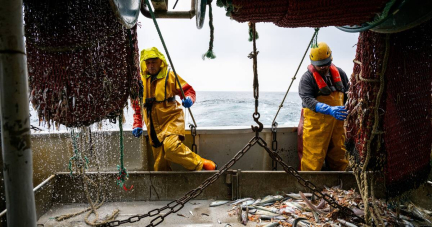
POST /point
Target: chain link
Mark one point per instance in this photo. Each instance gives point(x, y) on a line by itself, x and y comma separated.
point(274, 143)
point(193, 133)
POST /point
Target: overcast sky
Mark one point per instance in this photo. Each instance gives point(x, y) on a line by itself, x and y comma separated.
point(280, 51)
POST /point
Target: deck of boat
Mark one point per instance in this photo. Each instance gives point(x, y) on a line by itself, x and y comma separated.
point(203, 215)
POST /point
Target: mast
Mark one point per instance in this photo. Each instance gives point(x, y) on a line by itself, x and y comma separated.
point(15, 118)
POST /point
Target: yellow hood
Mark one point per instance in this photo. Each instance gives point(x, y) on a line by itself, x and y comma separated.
point(152, 53)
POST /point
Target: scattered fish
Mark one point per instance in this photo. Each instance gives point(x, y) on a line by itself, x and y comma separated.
point(270, 199)
point(270, 209)
point(274, 224)
point(248, 202)
point(301, 210)
point(309, 204)
point(181, 215)
point(191, 213)
point(245, 216)
point(228, 225)
point(349, 224)
point(256, 201)
point(238, 201)
point(419, 213)
point(297, 196)
point(272, 217)
point(357, 211)
point(219, 222)
point(218, 203)
point(297, 220)
point(204, 214)
point(321, 204)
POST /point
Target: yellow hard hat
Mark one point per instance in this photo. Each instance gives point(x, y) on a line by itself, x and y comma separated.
point(321, 54)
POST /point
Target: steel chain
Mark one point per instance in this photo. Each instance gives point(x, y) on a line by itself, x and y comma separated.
point(176, 205)
point(193, 133)
point(306, 183)
point(274, 143)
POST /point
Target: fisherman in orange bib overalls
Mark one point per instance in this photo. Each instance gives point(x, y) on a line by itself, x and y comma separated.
point(163, 115)
point(321, 134)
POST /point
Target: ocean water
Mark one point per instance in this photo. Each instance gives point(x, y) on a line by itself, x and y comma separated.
point(215, 109)
point(236, 108)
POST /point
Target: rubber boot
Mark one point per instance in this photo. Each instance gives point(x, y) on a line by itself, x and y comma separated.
point(208, 164)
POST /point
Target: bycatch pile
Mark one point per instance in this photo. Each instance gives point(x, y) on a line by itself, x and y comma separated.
point(302, 209)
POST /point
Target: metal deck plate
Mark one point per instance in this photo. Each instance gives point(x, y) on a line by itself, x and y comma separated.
point(199, 208)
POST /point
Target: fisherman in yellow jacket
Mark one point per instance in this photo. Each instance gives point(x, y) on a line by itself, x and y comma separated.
point(163, 115)
point(321, 131)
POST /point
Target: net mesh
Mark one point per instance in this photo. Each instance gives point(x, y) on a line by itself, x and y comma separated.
point(400, 144)
point(307, 13)
point(79, 61)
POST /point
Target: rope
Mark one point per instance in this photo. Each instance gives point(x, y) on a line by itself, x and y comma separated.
point(123, 174)
point(168, 55)
point(251, 33)
point(315, 34)
point(364, 186)
point(314, 44)
point(77, 157)
point(86, 181)
point(175, 4)
point(210, 54)
point(253, 56)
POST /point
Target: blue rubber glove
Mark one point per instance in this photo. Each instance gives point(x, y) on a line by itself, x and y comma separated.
point(137, 132)
point(187, 102)
point(338, 112)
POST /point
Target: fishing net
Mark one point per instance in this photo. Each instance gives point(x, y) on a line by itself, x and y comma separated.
point(305, 13)
point(389, 126)
point(82, 63)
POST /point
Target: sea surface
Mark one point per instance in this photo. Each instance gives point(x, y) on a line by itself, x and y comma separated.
point(221, 108)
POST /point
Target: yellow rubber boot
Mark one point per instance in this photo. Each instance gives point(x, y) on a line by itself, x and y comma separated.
point(208, 164)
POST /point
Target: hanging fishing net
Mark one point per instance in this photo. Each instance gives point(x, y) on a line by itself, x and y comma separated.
point(82, 63)
point(389, 126)
point(304, 13)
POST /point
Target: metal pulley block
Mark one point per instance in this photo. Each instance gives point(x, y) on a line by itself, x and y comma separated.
point(411, 14)
point(200, 10)
point(127, 11)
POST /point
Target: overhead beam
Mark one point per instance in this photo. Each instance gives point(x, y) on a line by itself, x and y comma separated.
point(160, 5)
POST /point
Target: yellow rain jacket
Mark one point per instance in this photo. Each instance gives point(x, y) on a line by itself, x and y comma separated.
point(163, 115)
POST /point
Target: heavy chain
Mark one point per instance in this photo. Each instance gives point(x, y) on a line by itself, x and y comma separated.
point(274, 143)
point(177, 205)
point(193, 133)
point(307, 184)
point(253, 55)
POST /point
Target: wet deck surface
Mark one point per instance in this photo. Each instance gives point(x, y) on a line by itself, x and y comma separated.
point(127, 209)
